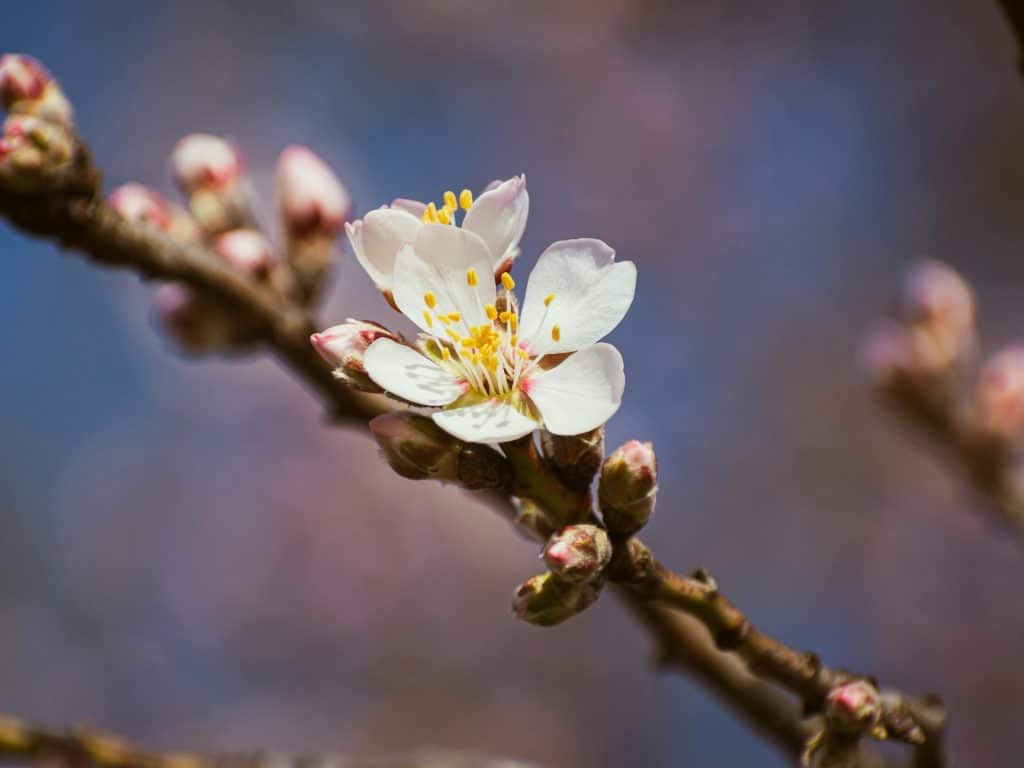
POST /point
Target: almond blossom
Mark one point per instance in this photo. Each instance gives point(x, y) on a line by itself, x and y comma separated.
point(495, 369)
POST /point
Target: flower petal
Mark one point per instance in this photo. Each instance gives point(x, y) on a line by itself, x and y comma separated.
point(438, 263)
point(415, 207)
point(490, 422)
point(499, 217)
point(581, 393)
point(404, 372)
point(592, 293)
point(377, 238)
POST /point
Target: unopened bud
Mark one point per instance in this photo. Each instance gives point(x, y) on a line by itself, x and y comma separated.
point(578, 553)
point(194, 324)
point(26, 87)
point(853, 707)
point(938, 308)
point(343, 347)
point(416, 447)
point(628, 488)
point(545, 600)
point(999, 396)
point(29, 148)
point(245, 249)
point(202, 161)
point(135, 202)
point(312, 199)
point(575, 458)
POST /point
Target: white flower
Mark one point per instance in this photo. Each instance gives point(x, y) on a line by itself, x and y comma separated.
point(499, 373)
point(498, 216)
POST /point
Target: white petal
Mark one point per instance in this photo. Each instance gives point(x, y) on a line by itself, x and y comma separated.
point(415, 207)
point(403, 371)
point(592, 293)
point(438, 263)
point(499, 217)
point(490, 422)
point(581, 393)
point(377, 238)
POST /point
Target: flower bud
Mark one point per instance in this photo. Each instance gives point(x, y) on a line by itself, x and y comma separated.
point(29, 148)
point(416, 447)
point(245, 249)
point(938, 307)
point(26, 87)
point(575, 458)
point(853, 707)
point(202, 161)
point(546, 601)
point(313, 201)
point(195, 325)
point(343, 347)
point(999, 395)
point(628, 488)
point(578, 553)
point(135, 202)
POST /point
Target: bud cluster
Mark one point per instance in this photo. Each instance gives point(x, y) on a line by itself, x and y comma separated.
point(628, 488)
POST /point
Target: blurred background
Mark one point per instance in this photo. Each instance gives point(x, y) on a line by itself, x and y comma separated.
point(191, 558)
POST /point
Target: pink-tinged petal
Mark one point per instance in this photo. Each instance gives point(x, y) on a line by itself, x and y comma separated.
point(581, 393)
point(591, 294)
point(376, 240)
point(404, 372)
point(499, 217)
point(312, 199)
point(415, 207)
point(439, 263)
point(490, 422)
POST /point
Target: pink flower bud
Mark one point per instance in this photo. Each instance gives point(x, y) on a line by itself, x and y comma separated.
point(853, 707)
point(202, 161)
point(578, 553)
point(999, 395)
point(29, 147)
point(136, 202)
point(938, 309)
point(343, 346)
point(628, 487)
point(245, 249)
point(21, 78)
point(545, 600)
point(416, 447)
point(312, 199)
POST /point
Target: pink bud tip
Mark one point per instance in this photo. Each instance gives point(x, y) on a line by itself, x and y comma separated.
point(1000, 392)
point(343, 345)
point(203, 161)
point(935, 295)
point(245, 249)
point(312, 199)
point(136, 202)
point(21, 77)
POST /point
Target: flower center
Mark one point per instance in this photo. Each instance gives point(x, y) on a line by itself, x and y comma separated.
point(446, 213)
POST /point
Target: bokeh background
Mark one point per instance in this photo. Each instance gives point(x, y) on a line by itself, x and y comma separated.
point(191, 558)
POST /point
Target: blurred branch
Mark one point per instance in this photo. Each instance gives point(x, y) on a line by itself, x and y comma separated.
point(1014, 12)
point(58, 198)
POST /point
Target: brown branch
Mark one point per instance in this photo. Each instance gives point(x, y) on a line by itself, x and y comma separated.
point(1014, 12)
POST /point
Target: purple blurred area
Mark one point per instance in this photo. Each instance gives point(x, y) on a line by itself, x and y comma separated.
point(191, 558)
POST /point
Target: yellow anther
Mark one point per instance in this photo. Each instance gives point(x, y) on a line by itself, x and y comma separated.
point(471, 278)
point(466, 199)
point(477, 357)
point(507, 281)
point(556, 332)
point(444, 216)
point(491, 310)
point(430, 215)
point(453, 334)
point(449, 201)
point(504, 316)
point(467, 343)
point(454, 316)
point(514, 340)
point(548, 299)
point(429, 320)
point(523, 353)
point(513, 322)
point(444, 319)
point(446, 353)
point(430, 299)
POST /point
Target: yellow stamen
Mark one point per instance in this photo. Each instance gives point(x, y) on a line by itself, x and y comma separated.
point(453, 334)
point(471, 278)
point(491, 310)
point(513, 322)
point(449, 201)
point(444, 319)
point(467, 343)
point(430, 215)
point(523, 353)
point(477, 357)
point(466, 199)
point(446, 353)
point(429, 320)
point(430, 299)
point(556, 332)
point(444, 216)
point(504, 316)
point(514, 340)
point(507, 281)
point(548, 299)
point(454, 316)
